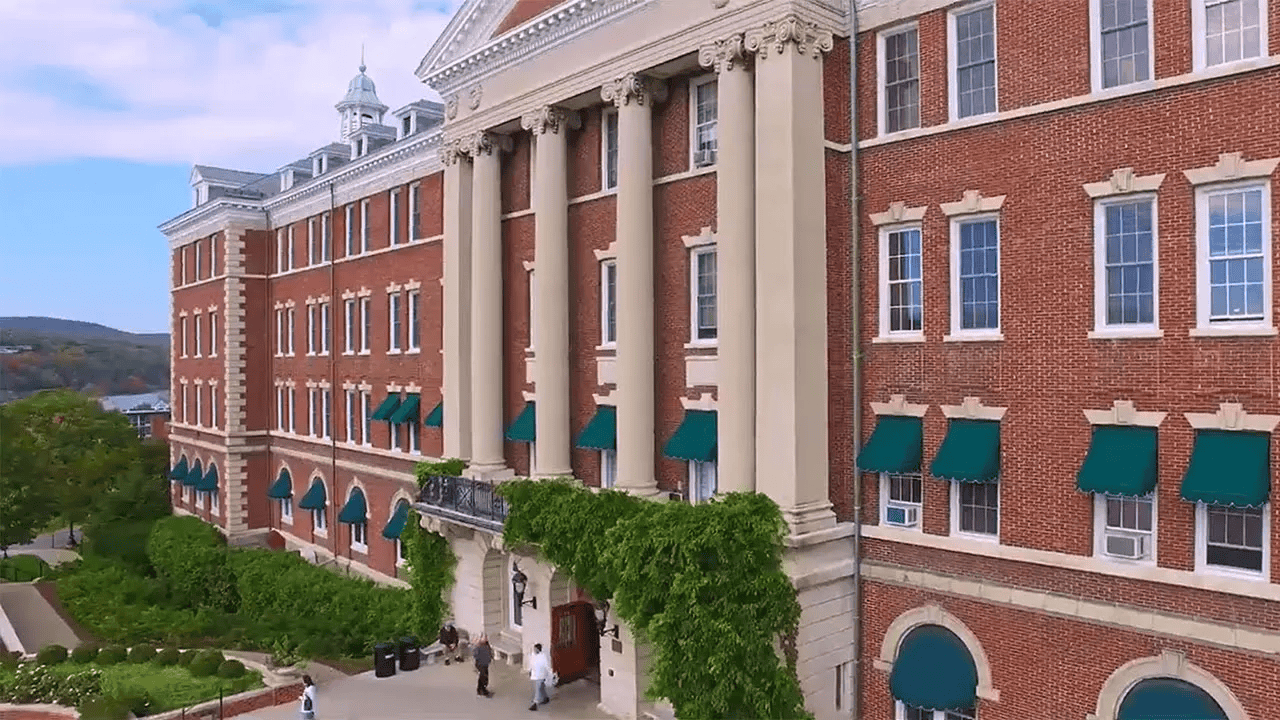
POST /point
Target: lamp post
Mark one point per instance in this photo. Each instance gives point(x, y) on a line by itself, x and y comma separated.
point(602, 615)
point(519, 582)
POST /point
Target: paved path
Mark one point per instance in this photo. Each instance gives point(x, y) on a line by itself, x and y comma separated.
point(437, 692)
point(34, 621)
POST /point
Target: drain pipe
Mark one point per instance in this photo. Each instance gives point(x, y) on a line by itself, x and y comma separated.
point(327, 236)
point(856, 344)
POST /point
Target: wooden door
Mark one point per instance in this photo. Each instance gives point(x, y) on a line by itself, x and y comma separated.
point(575, 648)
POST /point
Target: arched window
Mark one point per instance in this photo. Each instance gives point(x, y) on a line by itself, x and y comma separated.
point(934, 677)
point(315, 500)
point(1166, 698)
point(356, 515)
point(395, 527)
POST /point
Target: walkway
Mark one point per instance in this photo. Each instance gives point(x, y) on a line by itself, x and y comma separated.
point(32, 619)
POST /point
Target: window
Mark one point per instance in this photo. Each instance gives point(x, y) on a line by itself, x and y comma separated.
point(901, 282)
point(359, 536)
point(311, 329)
point(313, 246)
point(290, 329)
point(399, 553)
point(366, 323)
point(1121, 42)
point(531, 283)
point(702, 481)
point(365, 436)
point(199, 344)
point(415, 436)
point(1227, 31)
point(702, 101)
point(293, 410)
point(703, 294)
point(899, 80)
point(351, 416)
point(406, 126)
point(1125, 527)
point(286, 510)
point(608, 468)
point(280, 407)
point(609, 148)
point(1233, 538)
point(326, 413)
point(973, 62)
point(349, 327)
point(415, 329)
point(184, 336)
point(1125, 249)
point(975, 509)
point(199, 405)
point(844, 685)
point(1233, 234)
point(366, 243)
point(182, 271)
point(395, 217)
point(326, 239)
point(279, 332)
point(186, 409)
point(975, 273)
point(214, 505)
point(199, 260)
point(350, 229)
point(282, 257)
point(901, 496)
point(609, 302)
point(319, 522)
point(907, 712)
point(325, 330)
point(313, 408)
point(289, 250)
point(393, 324)
point(415, 211)
point(213, 406)
point(213, 334)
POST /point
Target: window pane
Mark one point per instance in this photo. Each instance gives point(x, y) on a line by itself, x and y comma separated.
point(1236, 255)
point(979, 275)
point(902, 89)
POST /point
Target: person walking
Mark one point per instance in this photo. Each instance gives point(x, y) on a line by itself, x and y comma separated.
point(539, 673)
point(308, 698)
point(483, 655)
point(449, 639)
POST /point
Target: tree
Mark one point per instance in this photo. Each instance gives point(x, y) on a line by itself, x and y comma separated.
point(27, 503)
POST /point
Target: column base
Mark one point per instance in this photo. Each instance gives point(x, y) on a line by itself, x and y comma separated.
point(489, 473)
point(648, 493)
point(811, 517)
point(554, 474)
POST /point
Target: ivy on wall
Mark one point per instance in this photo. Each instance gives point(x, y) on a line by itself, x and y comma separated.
point(703, 584)
point(431, 564)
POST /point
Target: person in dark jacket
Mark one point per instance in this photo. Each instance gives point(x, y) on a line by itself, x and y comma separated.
point(483, 655)
point(449, 639)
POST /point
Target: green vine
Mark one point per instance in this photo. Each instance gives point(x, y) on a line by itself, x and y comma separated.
point(431, 565)
point(449, 467)
point(703, 584)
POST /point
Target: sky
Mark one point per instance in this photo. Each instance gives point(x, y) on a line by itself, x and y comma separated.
point(108, 103)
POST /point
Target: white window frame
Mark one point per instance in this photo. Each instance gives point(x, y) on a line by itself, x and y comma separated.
point(415, 325)
point(213, 406)
point(885, 499)
point(199, 405)
point(394, 345)
point(349, 327)
point(286, 510)
point(1201, 551)
point(185, 328)
point(326, 410)
point(415, 437)
point(325, 328)
point(954, 491)
point(533, 458)
point(1205, 326)
point(1199, 39)
point(291, 331)
point(886, 326)
point(531, 285)
point(366, 241)
point(366, 437)
point(198, 258)
point(320, 522)
point(186, 407)
point(1095, 49)
point(293, 411)
point(311, 330)
point(359, 535)
point(313, 250)
point(393, 210)
point(197, 339)
point(608, 468)
point(213, 333)
point(696, 467)
point(350, 229)
point(695, 256)
point(900, 713)
point(958, 332)
point(280, 407)
point(215, 503)
point(400, 557)
point(280, 252)
point(607, 295)
point(313, 403)
point(326, 239)
point(694, 86)
point(351, 417)
point(279, 332)
point(604, 149)
point(289, 250)
point(1100, 528)
point(1101, 327)
point(415, 210)
point(953, 84)
point(882, 79)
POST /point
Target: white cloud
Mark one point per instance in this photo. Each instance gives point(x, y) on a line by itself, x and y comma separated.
point(254, 91)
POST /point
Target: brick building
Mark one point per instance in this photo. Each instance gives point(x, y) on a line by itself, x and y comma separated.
point(623, 249)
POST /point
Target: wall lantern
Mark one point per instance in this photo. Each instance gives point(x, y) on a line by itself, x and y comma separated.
point(519, 582)
point(602, 616)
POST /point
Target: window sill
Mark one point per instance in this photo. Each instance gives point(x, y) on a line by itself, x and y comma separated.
point(1110, 333)
point(348, 353)
point(974, 537)
point(320, 533)
point(413, 351)
point(1237, 331)
point(361, 548)
point(1233, 573)
point(363, 352)
point(975, 118)
point(286, 519)
point(905, 338)
point(974, 337)
point(311, 354)
point(394, 351)
point(702, 344)
point(609, 347)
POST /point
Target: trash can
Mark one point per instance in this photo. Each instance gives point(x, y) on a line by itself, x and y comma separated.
point(384, 659)
point(410, 657)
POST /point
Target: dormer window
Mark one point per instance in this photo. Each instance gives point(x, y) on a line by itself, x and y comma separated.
point(318, 165)
point(406, 126)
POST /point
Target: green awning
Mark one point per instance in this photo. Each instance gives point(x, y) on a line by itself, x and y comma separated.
point(1166, 698)
point(1121, 461)
point(695, 439)
point(315, 497)
point(407, 412)
point(894, 446)
point(524, 429)
point(934, 671)
point(355, 511)
point(970, 452)
point(282, 488)
point(395, 525)
point(602, 432)
point(194, 476)
point(386, 409)
point(435, 418)
point(209, 483)
point(180, 470)
point(1229, 467)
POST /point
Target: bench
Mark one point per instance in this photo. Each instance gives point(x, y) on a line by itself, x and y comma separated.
point(435, 651)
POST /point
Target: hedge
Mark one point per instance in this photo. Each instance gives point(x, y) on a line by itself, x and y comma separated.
point(192, 558)
point(51, 655)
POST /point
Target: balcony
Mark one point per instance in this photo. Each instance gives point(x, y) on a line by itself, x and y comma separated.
point(465, 501)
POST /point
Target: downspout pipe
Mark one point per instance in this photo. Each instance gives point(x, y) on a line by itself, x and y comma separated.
point(856, 360)
point(267, 307)
point(327, 229)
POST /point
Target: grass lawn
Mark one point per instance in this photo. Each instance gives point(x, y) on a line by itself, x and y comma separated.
point(170, 687)
point(22, 568)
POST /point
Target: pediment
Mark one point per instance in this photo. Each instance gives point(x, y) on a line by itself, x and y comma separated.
point(471, 27)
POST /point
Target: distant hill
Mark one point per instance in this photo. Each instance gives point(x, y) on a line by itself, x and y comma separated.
point(81, 330)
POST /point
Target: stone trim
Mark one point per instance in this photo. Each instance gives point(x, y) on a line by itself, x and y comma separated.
point(394, 387)
point(394, 288)
point(609, 253)
point(550, 118)
point(633, 87)
point(529, 396)
point(933, 614)
point(183, 380)
point(704, 239)
point(973, 409)
point(364, 292)
point(413, 388)
point(213, 308)
point(529, 266)
point(1122, 412)
point(324, 384)
point(773, 37)
point(322, 299)
point(312, 384)
point(312, 300)
point(346, 295)
point(324, 458)
point(1170, 663)
point(198, 381)
point(899, 213)
point(605, 399)
point(704, 402)
point(413, 285)
point(972, 203)
point(724, 55)
point(290, 303)
point(898, 405)
point(212, 382)
point(1232, 166)
point(183, 313)
point(1232, 416)
point(1124, 182)
point(365, 386)
point(279, 305)
point(348, 385)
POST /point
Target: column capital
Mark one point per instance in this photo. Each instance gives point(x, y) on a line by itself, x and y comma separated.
point(774, 36)
point(633, 87)
point(451, 151)
point(550, 118)
point(485, 143)
point(724, 55)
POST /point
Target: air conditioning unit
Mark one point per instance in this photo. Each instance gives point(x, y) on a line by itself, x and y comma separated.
point(1133, 546)
point(703, 158)
point(900, 515)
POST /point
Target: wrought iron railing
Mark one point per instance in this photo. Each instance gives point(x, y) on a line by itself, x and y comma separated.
point(473, 502)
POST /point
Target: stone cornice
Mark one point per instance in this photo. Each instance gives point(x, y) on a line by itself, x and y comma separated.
point(199, 222)
point(773, 37)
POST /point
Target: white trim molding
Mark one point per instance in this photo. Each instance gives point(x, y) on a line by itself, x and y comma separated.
point(932, 614)
point(702, 239)
point(346, 295)
point(898, 212)
point(973, 202)
point(1122, 412)
point(1128, 194)
point(529, 396)
point(529, 265)
point(605, 399)
point(898, 405)
point(971, 408)
point(1169, 664)
point(609, 253)
point(704, 402)
point(1124, 182)
point(1232, 416)
point(364, 292)
point(1232, 166)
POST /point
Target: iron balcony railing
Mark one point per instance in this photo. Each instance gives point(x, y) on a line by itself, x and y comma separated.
point(463, 500)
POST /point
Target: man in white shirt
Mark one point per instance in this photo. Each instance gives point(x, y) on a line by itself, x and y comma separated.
point(539, 673)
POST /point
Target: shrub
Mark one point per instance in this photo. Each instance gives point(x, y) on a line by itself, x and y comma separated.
point(51, 655)
point(192, 558)
point(141, 654)
point(139, 703)
point(34, 683)
point(122, 541)
point(112, 655)
point(9, 660)
point(204, 666)
point(449, 467)
point(231, 669)
point(186, 657)
point(86, 653)
point(212, 655)
point(168, 656)
point(102, 708)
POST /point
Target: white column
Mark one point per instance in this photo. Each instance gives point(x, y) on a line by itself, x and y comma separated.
point(551, 258)
point(735, 264)
point(486, 304)
point(457, 301)
point(634, 95)
point(791, 261)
